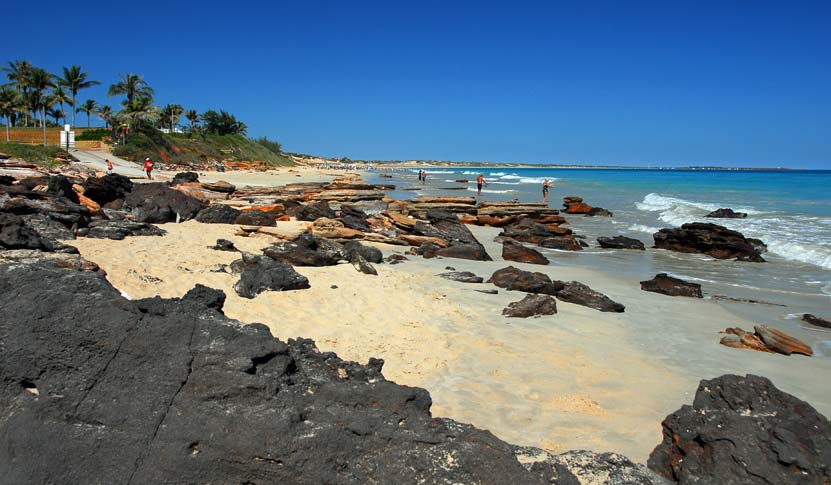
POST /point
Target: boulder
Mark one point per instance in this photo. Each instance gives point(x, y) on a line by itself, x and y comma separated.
point(256, 218)
point(744, 430)
point(354, 218)
point(531, 306)
point(462, 277)
point(781, 342)
point(307, 250)
point(334, 229)
point(157, 203)
point(184, 178)
point(711, 239)
point(108, 188)
point(261, 273)
point(313, 212)
point(620, 242)
point(726, 214)
point(575, 205)
point(668, 285)
point(515, 251)
point(172, 391)
point(362, 265)
point(61, 186)
point(512, 278)
point(220, 186)
point(562, 243)
point(369, 253)
point(598, 211)
point(446, 226)
point(526, 230)
point(16, 234)
point(218, 214)
point(224, 245)
point(580, 294)
point(816, 321)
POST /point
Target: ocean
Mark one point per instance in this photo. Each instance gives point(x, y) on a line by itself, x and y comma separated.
point(790, 210)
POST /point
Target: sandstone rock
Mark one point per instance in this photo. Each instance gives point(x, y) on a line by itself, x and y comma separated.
point(620, 242)
point(90, 204)
point(580, 294)
point(512, 278)
point(561, 243)
point(158, 203)
point(400, 220)
point(174, 392)
point(816, 321)
point(462, 277)
point(275, 209)
point(575, 205)
point(261, 273)
point(218, 214)
point(727, 214)
point(531, 306)
point(668, 285)
point(744, 430)
point(711, 239)
point(414, 240)
point(781, 342)
point(526, 230)
point(220, 186)
point(334, 229)
point(740, 339)
point(514, 251)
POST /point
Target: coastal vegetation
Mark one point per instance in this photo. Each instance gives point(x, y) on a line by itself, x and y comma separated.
point(34, 98)
point(45, 156)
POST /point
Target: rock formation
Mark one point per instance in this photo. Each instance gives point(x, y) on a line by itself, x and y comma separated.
point(765, 339)
point(531, 306)
point(462, 277)
point(514, 251)
point(620, 242)
point(261, 273)
point(158, 203)
point(580, 294)
point(726, 214)
point(512, 278)
point(710, 239)
point(668, 285)
point(816, 321)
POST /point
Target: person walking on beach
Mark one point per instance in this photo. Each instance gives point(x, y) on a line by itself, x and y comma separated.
point(148, 167)
point(420, 174)
point(423, 177)
point(109, 167)
point(545, 186)
point(480, 180)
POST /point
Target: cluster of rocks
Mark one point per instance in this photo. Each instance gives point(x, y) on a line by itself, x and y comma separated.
point(710, 239)
point(765, 339)
point(174, 391)
point(575, 205)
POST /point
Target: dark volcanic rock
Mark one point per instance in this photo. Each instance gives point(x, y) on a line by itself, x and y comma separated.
point(711, 239)
point(256, 218)
point(63, 260)
point(580, 294)
point(620, 242)
point(307, 250)
point(6, 180)
point(815, 320)
point(354, 218)
point(261, 273)
point(396, 258)
point(667, 285)
point(598, 211)
point(516, 279)
point(16, 234)
point(158, 203)
point(224, 245)
point(526, 230)
point(447, 226)
point(462, 277)
point(530, 306)
point(184, 178)
point(108, 188)
point(727, 214)
point(313, 212)
point(515, 251)
point(62, 187)
point(362, 264)
point(562, 243)
point(218, 214)
point(171, 391)
point(118, 230)
point(369, 253)
point(57, 208)
point(581, 466)
point(744, 430)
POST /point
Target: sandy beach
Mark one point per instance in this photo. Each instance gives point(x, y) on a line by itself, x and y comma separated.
point(580, 379)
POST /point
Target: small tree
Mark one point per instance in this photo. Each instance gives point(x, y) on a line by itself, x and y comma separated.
point(89, 107)
point(74, 80)
point(193, 117)
point(171, 113)
point(9, 105)
point(222, 123)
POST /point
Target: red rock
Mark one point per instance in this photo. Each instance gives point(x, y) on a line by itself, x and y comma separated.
point(514, 251)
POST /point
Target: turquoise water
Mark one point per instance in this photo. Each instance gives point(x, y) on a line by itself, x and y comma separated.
point(789, 210)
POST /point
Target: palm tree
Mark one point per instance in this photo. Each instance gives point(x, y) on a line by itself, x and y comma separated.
point(171, 113)
point(132, 86)
point(193, 116)
point(9, 105)
point(56, 113)
point(106, 114)
point(39, 81)
point(88, 107)
point(60, 96)
point(75, 80)
point(18, 73)
point(140, 110)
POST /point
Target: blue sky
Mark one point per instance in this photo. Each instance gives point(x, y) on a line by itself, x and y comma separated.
point(672, 83)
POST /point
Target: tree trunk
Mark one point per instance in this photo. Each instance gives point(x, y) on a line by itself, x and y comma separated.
point(43, 122)
point(7, 129)
point(73, 108)
point(87, 119)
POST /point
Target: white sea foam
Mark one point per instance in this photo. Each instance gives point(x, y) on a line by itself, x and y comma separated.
point(643, 228)
point(491, 191)
point(496, 174)
point(527, 180)
point(797, 238)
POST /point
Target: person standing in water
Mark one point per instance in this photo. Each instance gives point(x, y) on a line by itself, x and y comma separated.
point(545, 186)
point(148, 167)
point(480, 180)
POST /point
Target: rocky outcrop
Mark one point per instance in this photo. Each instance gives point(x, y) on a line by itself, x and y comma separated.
point(620, 242)
point(744, 430)
point(462, 277)
point(512, 278)
point(599, 212)
point(221, 186)
point(816, 321)
point(710, 239)
point(61, 260)
point(261, 273)
point(514, 251)
point(16, 234)
point(218, 214)
point(526, 230)
point(119, 229)
point(256, 218)
point(307, 250)
point(575, 205)
point(354, 218)
point(369, 253)
point(446, 226)
point(765, 339)
point(726, 214)
point(175, 392)
point(313, 212)
point(158, 203)
point(561, 243)
point(586, 467)
point(184, 178)
point(580, 294)
point(108, 188)
point(531, 306)
point(668, 285)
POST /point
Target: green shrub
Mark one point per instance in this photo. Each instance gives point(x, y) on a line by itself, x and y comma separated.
point(96, 134)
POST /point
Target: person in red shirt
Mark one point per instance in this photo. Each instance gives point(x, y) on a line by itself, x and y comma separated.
point(109, 167)
point(148, 167)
